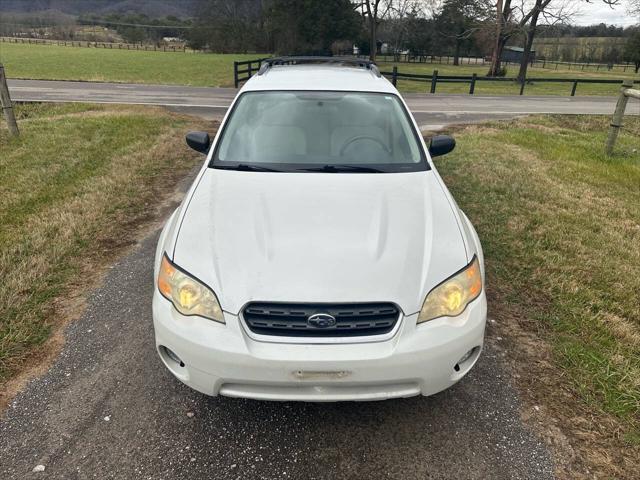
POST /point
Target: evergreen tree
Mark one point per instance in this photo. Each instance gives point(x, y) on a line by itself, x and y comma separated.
point(311, 26)
point(632, 49)
point(455, 23)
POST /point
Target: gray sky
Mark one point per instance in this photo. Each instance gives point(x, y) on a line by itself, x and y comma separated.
point(598, 12)
point(588, 13)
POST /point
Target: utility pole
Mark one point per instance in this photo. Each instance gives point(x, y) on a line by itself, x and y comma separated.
point(7, 106)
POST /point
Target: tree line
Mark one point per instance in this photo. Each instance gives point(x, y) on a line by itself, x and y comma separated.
point(138, 27)
point(408, 28)
point(113, 27)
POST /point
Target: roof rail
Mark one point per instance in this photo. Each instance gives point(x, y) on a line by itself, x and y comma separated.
point(267, 63)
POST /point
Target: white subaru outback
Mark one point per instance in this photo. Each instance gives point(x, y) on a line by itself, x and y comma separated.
point(318, 255)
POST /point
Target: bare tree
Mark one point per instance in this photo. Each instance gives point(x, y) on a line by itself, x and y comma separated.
point(374, 11)
point(512, 18)
point(397, 24)
point(507, 24)
point(560, 12)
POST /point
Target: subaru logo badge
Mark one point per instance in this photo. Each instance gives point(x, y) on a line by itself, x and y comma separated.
point(321, 320)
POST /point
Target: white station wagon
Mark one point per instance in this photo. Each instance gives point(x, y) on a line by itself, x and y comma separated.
point(318, 255)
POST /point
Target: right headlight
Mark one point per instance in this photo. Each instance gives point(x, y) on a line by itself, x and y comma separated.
point(188, 295)
point(451, 297)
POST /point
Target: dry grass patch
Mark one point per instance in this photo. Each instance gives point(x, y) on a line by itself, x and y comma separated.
point(560, 225)
point(74, 189)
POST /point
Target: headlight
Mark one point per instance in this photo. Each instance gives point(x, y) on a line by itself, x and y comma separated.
point(188, 295)
point(451, 297)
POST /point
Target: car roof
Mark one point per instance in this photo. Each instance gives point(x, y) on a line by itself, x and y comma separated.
point(326, 77)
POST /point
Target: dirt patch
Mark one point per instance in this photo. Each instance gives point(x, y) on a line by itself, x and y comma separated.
point(586, 443)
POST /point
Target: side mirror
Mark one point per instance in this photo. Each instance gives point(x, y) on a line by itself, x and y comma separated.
point(441, 145)
point(199, 141)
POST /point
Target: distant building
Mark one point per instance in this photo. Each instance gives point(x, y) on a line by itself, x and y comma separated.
point(514, 54)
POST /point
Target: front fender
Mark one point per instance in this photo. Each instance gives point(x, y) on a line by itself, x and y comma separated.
point(472, 240)
point(167, 232)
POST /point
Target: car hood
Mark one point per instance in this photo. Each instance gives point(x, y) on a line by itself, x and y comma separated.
point(319, 237)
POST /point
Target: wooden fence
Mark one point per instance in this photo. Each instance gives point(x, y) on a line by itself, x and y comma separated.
point(434, 79)
point(396, 58)
point(241, 74)
point(243, 71)
point(626, 92)
point(553, 65)
point(7, 106)
point(105, 45)
point(419, 57)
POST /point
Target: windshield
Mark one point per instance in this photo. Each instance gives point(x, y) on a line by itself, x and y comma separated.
point(319, 131)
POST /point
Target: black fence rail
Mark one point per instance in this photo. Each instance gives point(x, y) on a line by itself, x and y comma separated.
point(411, 57)
point(434, 78)
point(421, 57)
point(251, 67)
point(243, 74)
point(582, 66)
point(429, 58)
point(418, 57)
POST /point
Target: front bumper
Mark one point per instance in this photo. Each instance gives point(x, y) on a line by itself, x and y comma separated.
point(222, 359)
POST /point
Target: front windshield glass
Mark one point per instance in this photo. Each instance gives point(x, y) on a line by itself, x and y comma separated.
point(319, 131)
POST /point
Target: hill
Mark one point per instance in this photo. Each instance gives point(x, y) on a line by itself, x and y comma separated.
point(151, 8)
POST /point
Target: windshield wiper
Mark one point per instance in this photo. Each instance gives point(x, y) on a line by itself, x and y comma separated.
point(246, 168)
point(342, 168)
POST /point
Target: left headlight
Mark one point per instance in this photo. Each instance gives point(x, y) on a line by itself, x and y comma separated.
point(451, 297)
point(188, 295)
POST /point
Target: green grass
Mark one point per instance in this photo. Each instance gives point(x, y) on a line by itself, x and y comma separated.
point(69, 63)
point(90, 64)
point(72, 188)
point(560, 226)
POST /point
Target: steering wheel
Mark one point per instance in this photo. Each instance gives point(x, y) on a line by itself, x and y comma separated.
point(363, 137)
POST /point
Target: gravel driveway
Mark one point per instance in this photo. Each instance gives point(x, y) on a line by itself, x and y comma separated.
point(108, 409)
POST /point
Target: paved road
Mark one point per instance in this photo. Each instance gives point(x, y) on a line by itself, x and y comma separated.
point(431, 111)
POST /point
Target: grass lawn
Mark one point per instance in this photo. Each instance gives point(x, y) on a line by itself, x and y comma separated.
point(73, 189)
point(52, 62)
point(69, 63)
point(560, 227)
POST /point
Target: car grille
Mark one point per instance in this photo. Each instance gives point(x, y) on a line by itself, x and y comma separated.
point(292, 319)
